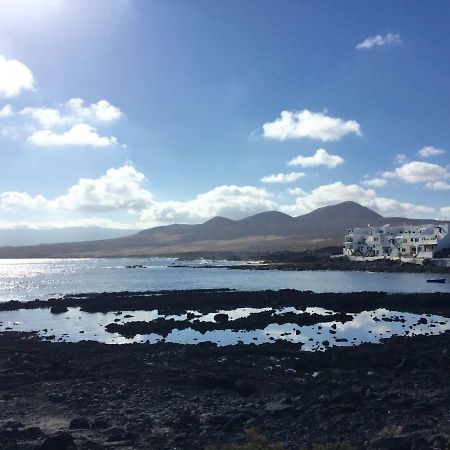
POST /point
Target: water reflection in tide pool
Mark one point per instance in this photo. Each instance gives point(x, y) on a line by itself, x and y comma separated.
point(367, 326)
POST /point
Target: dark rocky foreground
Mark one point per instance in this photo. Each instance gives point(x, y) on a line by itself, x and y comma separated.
point(90, 395)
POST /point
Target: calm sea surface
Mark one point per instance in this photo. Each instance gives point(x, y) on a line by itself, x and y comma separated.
point(43, 278)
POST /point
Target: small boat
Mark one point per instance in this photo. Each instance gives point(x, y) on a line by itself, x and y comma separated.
point(436, 280)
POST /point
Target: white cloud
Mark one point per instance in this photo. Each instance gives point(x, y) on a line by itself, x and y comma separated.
point(308, 124)
point(46, 117)
point(72, 112)
point(118, 189)
point(22, 200)
point(429, 150)
point(72, 123)
point(445, 212)
point(320, 158)
point(438, 186)
point(297, 191)
point(283, 177)
point(379, 40)
point(6, 111)
point(234, 202)
point(338, 192)
point(400, 158)
point(419, 172)
point(102, 111)
point(375, 182)
point(15, 77)
point(79, 134)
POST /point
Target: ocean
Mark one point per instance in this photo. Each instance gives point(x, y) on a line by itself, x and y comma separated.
point(28, 279)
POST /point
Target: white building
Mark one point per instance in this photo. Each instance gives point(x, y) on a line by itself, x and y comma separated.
point(419, 241)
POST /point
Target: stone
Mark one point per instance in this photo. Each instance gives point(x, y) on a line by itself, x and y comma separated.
point(79, 423)
point(59, 441)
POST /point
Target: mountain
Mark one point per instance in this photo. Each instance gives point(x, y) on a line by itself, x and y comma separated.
point(261, 233)
point(27, 236)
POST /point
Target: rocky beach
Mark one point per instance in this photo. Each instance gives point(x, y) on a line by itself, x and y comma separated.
point(89, 395)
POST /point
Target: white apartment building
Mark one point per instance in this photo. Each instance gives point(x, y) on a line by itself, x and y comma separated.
point(418, 241)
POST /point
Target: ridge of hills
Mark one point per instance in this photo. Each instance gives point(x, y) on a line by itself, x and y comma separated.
point(266, 232)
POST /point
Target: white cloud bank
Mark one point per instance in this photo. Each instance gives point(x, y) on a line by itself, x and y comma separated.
point(320, 158)
point(118, 189)
point(234, 202)
point(283, 177)
point(427, 151)
point(308, 124)
point(122, 190)
point(379, 41)
point(338, 192)
point(15, 77)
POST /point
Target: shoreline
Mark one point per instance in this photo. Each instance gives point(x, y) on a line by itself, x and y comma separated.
point(170, 302)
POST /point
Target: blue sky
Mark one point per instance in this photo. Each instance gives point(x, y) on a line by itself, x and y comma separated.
point(137, 113)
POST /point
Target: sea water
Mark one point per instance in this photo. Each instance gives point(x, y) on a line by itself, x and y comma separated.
point(28, 279)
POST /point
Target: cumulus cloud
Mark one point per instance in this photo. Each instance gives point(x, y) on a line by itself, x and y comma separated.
point(6, 111)
point(379, 41)
point(308, 124)
point(72, 112)
point(298, 191)
point(118, 189)
point(445, 212)
point(320, 158)
point(15, 77)
point(102, 111)
point(234, 202)
point(375, 182)
point(46, 117)
point(72, 123)
point(283, 177)
point(338, 192)
point(419, 172)
point(438, 186)
point(429, 150)
point(400, 158)
point(79, 134)
point(22, 200)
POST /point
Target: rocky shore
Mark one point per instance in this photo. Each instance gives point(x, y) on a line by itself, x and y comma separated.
point(93, 396)
point(211, 300)
point(88, 395)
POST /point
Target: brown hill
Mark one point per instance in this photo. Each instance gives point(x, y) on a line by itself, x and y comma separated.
point(261, 233)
